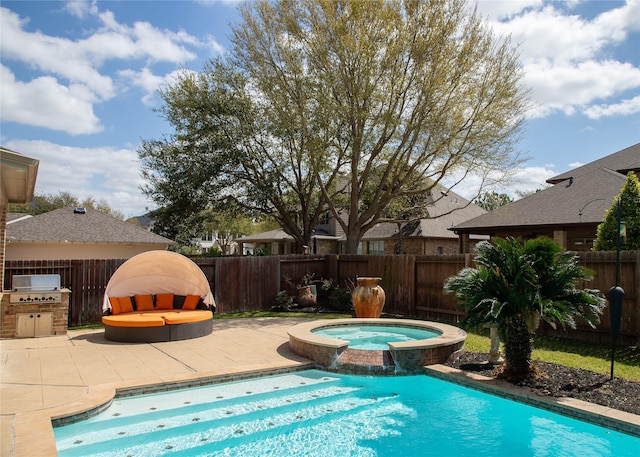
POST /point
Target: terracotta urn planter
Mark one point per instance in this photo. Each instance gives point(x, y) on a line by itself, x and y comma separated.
point(368, 298)
point(305, 297)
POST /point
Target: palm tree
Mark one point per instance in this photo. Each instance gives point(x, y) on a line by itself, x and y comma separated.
point(517, 283)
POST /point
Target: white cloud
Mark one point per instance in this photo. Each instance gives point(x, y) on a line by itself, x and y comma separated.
point(571, 62)
point(105, 173)
point(51, 55)
point(549, 34)
point(527, 180)
point(71, 68)
point(81, 8)
point(215, 47)
point(43, 102)
point(522, 180)
point(623, 108)
point(568, 88)
point(148, 82)
point(502, 9)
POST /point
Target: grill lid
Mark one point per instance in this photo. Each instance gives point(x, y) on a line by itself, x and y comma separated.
point(35, 283)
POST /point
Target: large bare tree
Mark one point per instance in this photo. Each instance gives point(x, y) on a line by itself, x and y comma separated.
point(402, 94)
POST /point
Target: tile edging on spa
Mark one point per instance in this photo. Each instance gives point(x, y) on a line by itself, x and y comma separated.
point(579, 409)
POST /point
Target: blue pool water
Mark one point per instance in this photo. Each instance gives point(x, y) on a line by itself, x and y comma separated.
point(374, 337)
point(314, 413)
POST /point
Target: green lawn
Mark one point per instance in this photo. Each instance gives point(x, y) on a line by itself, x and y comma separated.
point(577, 354)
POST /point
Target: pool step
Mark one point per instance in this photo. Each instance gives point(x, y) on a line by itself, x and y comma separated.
point(375, 363)
point(238, 424)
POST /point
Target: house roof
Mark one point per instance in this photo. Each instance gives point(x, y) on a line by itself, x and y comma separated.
point(67, 225)
point(445, 212)
point(271, 235)
point(623, 161)
point(584, 198)
point(14, 217)
point(17, 176)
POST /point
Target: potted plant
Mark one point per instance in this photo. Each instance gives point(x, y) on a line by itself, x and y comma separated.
point(306, 291)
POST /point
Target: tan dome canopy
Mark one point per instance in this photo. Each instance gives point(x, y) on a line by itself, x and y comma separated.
point(158, 272)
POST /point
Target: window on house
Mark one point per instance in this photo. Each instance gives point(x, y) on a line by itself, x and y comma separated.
point(440, 250)
point(582, 241)
point(208, 236)
point(375, 247)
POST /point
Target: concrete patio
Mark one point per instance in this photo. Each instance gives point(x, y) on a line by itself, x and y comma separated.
point(57, 376)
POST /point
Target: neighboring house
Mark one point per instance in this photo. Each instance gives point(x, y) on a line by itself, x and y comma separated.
point(77, 233)
point(214, 239)
point(569, 211)
point(426, 236)
point(276, 242)
point(144, 222)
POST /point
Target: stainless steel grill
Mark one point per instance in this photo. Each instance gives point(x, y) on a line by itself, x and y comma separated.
point(35, 289)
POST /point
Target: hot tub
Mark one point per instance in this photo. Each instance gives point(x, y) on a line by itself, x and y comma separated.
point(318, 341)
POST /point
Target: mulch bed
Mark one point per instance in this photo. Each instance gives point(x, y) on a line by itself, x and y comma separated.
point(560, 381)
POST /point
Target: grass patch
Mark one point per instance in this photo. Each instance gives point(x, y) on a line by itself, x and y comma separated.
point(281, 314)
point(576, 354)
point(87, 327)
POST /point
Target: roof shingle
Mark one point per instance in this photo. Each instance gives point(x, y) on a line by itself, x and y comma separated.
point(583, 199)
point(64, 225)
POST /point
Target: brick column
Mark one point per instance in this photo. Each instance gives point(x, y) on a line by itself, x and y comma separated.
point(560, 237)
point(3, 239)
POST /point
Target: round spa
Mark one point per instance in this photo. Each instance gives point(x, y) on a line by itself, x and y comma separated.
point(376, 346)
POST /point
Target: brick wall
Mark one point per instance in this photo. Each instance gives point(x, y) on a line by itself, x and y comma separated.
point(10, 313)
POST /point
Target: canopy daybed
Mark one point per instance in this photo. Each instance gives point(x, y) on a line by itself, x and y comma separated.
point(157, 296)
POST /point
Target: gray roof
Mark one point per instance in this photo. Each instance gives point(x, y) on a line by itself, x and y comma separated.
point(583, 199)
point(15, 216)
point(445, 212)
point(623, 161)
point(265, 237)
point(65, 225)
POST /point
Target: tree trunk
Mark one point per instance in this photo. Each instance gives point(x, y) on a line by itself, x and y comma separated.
point(351, 246)
point(517, 346)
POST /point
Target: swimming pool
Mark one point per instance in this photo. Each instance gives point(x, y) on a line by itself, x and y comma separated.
point(315, 413)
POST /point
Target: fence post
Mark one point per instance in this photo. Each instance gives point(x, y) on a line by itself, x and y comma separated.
point(75, 301)
point(331, 267)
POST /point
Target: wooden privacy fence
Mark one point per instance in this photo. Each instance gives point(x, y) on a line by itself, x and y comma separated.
point(413, 284)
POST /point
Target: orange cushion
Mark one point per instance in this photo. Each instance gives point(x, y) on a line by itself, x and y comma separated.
point(191, 302)
point(125, 305)
point(133, 320)
point(144, 302)
point(164, 301)
point(115, 305)
point(183, 318)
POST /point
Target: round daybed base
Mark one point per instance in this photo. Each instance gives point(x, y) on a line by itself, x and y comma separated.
point(155, 329)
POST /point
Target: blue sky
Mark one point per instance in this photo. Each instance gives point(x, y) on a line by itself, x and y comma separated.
point(78, 83)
